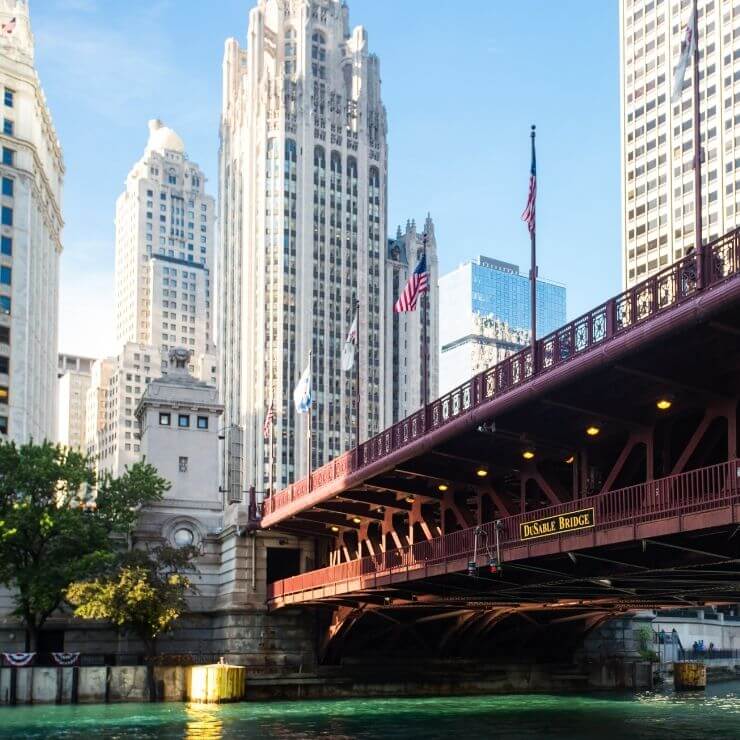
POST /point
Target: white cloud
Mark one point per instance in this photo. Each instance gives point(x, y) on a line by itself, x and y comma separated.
point(106, 70)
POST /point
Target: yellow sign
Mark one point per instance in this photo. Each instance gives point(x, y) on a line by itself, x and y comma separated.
point(575, 520)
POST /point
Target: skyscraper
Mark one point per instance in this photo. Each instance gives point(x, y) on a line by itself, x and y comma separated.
point(485, 316)
point(31, 175)
point(163, 290)
point(303, 235)
point(74, 375)
point(657, 147)
point(404, 336)
point(164, 249)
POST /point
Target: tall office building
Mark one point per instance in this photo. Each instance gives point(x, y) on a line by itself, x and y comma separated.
point(303, 234)
point(404, 336)
point(164, 249)
point(31, 174)
point(74, 376)
point(657, 135)
point(163, 291)
point(485, 316)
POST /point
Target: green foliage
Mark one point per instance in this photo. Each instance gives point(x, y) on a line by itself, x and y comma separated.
point(145, 594)
point(48, 539)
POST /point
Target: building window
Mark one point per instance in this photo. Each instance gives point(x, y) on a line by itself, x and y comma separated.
point(4, 365)
point(7, 187)
point(4, 304)
point(183, 420)
point(4, 394)
point(8, 156)
point(6, 246)
point(164, 419)
point(9, 97)
point(4, 335)
point(5, 276)
point(202, 422)
point(3, 424)
point(183, 465)
point(8, 127)
point(6, 218)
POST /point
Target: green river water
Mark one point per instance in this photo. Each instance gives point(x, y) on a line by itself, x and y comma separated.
point(715, 714)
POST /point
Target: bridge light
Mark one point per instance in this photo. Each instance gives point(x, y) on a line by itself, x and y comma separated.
point(528, 454)
point(356, 519)
point(569, 460)
point(443, 487)
point(335, 529)
point(593, 431)
point(664, 403)
point(481, 472)
point(410, 499)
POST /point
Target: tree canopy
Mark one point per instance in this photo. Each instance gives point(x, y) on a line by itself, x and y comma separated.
point(57, 522)
point(144, 595)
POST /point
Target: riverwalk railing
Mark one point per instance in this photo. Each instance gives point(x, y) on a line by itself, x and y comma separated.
point(698, 490)
point(659, 293)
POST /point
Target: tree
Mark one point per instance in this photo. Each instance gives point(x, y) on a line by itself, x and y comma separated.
point(57, 523)
point(145, 594)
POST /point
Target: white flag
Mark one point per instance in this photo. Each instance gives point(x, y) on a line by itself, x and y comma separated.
point(687, 49)
point(302, 393)
point(348, 351)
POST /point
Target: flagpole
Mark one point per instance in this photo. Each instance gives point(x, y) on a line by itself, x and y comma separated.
point(310, 414)
point(357, 373)
point(533, 279)
point(272, 445)
point(697, 159)
point(425, 338)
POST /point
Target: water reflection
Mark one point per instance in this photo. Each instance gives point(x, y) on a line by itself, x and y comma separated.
point(203, 721)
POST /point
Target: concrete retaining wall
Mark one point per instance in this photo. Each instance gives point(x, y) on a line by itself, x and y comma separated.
point(94, 685)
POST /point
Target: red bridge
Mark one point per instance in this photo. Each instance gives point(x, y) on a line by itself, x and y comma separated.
point(619, 442)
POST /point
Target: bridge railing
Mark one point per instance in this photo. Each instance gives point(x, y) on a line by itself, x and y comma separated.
point(660, 292)
point(696, 490)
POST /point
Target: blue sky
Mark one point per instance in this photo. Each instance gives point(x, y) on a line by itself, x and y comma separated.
point(462, 82)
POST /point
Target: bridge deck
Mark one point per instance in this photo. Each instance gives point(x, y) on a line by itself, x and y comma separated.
point(697, 500)
point(574, 380)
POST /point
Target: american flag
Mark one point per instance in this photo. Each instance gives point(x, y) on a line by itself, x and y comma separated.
point(6, 29)
point(529, 216)
point(269, 420)
point(418, 283)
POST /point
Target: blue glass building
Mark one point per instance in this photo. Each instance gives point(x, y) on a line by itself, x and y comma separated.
point(484, 315)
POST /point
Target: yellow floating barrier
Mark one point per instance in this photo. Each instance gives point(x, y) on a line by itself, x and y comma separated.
point(689, 676)
point(215, 684)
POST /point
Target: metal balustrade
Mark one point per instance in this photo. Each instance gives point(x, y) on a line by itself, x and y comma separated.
point(698, 490)
point(659, 293)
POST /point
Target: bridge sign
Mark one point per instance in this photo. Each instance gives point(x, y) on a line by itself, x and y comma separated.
point(558, 524)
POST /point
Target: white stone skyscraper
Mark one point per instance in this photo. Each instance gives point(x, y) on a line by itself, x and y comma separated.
point(163, 291)
point(657, 150)
point(31, 176)
point(303, 234)
point(164, 249)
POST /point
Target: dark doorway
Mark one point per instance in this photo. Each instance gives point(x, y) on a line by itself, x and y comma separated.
point(282, 562)
point(51, 641)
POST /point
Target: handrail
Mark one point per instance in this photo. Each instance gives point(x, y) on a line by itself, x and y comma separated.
point(666, 289)
point(696, 490)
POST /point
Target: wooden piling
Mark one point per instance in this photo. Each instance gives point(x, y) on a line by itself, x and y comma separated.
point(689, 676)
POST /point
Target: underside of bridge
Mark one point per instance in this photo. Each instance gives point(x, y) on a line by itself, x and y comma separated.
point(542, 606)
